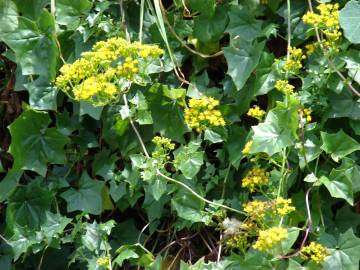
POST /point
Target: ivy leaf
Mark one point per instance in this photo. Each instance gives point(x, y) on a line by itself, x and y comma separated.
point(346, 256)
point(9, 183)
point(34, 44)
point(87, 197)
point(42, 94)
point(344, 105)
point(339, 186)
point(34, 145)
point(210, 29)
point(205, 7)
point(166, 113)
point(136, 254)
point(242, 61)
point(188, 206)
point(277, 132)
point(189, 160)
point(338, 144)
point(69, 12)
point(243, 25)
point(349, 18)
point(27, 206)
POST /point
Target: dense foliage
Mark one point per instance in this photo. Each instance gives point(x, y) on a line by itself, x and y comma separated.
point(182, 134)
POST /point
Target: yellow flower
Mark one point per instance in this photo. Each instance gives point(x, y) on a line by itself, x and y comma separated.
point(270, 238)
point(315, 252)
point(284, 87)
point(283, 206)
point(256, 112)
point(247, 147)
point(202, 113)
point(256, 209)
point(255, 178)
point(264, 2)
point(101, 74)
point(310, 48)
point(293, 64)
point(103, 261)
point(307, 115)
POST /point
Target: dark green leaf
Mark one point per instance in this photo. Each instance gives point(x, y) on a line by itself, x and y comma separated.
point(338, 144)
point(242, 61)
point(87, 197)
point(33, 144)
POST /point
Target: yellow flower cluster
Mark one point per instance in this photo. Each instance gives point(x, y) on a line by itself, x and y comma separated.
point(270, 238)
point(315, 252)
point(307, 114)
point(293, 64)
point(164, 146)
point(284, 87)
point(247, 147)
point(264, 2)
point(256, 209)
point(103, 261)
point(101, 74)
point(237, 241)
point(202, 113)
point(310, 48)
point(163, 142)
point(326, 21)
point(255, 178)
point(256, 112)
point(283, 206)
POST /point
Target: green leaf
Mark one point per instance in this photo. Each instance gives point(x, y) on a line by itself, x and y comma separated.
point(243, 25)
point(213, 136)
point(205, 7)
point(286, 245)
point(188, 160)
point(69, 12)
point(339, 186)
point(166, 113)
point(277, 132)
point(344, 105)
point(346, 256)
point(9, 184)
point(87, 197)
point(338, 144)
point(27, 206)
point(210, 29)
point(42, 94)
point(158, 188)
point(34, 44)
point(34, 145)
point(350, 21)
point(95, 235)
point(188, 206)
point(89, 109)
point(242, 61)
point(136, 254)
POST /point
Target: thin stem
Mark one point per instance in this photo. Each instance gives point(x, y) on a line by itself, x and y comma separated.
point(288, 28)
point(142, 4)
point(220, 247)
point(52, 7)
point(135, 130)
point(283, 173)
point(199, 196)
